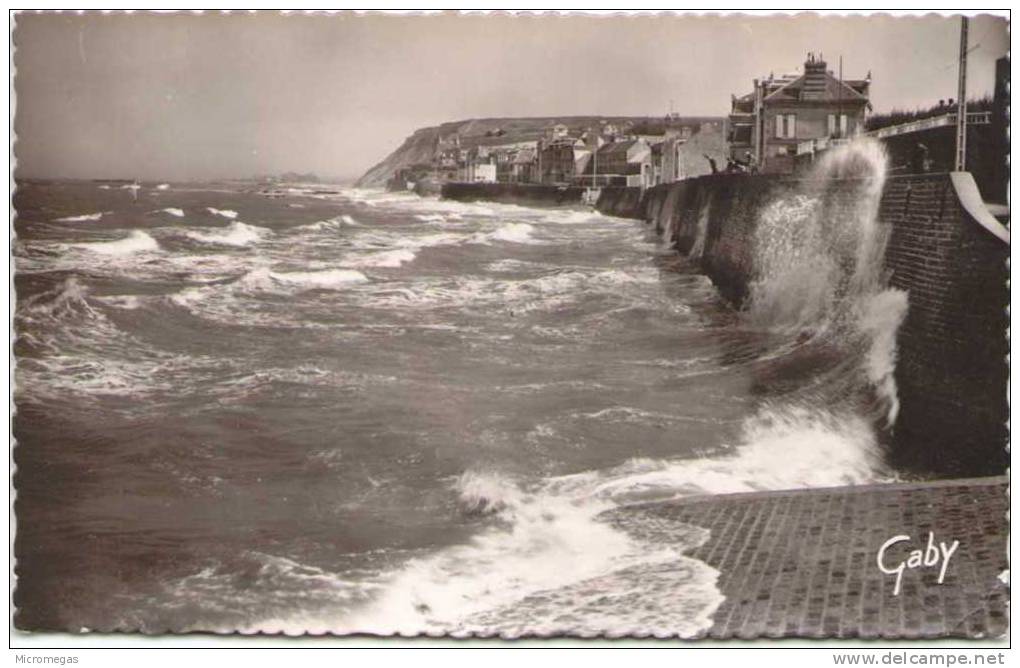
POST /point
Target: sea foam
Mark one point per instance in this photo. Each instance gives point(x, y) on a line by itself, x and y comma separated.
point(226, 213)
point(82, 218)
point(235, 234)
point(393, 258)
point(287, 281)
point(135, 242)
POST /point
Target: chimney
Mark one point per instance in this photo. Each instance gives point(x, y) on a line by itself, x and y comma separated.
point(815, 78)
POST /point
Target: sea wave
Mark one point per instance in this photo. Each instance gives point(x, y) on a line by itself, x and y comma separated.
point(274, 281)
point(72, 349)
point(135, 242)
point(235, 234)
point(527, 574)
point(331, 224)
point(393, 258)
point(226, 213)
point(513, 232)
point(82, 218)
point(570, 553)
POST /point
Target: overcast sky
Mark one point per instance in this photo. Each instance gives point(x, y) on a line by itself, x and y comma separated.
point(201, 96)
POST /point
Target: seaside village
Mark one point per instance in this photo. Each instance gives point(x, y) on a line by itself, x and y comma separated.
point(778, 125)
point(780, 118)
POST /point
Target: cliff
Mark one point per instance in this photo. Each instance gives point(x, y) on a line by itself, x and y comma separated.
point(420, 147)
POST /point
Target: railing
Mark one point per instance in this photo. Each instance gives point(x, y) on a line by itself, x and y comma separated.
point(973, 118)
point(822, 143)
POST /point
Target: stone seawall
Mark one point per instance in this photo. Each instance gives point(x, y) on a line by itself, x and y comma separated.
point(621, 202)
point(514, 193)
point(951, 373)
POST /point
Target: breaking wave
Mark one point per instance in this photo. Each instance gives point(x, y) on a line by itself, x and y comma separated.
point(513, 232)
point(393, 258)
point(819, 258)
point(554, 561)
point(82, 218)
point(328, 279)
point(235, 234)
point(226, 213)
point(135, 242)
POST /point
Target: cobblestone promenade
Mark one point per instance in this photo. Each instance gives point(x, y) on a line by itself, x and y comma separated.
point(803, 563)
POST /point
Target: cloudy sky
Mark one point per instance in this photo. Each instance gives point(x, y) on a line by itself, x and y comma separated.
point(185, 96)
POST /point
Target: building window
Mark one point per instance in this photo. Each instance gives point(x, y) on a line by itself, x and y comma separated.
point(786, 126)
point(843, 125)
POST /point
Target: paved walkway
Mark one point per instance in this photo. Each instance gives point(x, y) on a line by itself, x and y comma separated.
point(803, 563)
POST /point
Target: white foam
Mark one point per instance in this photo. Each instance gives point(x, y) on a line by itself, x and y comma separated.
point(570, 216)
point(82, 218)
point(510, 265)
point(814, 262)
point(393, 258)
point(819, 449)
point(179, 213)
point(126, 302)
point(81, 353)
point(226, 213)
point(482, 492)
point(135, 242)
point(554, 565)
point(513, 232)
point(235, 234)
point(529, 573)
point(328, 279)
point(880, 319)
point(163, 186)
point(331, 224)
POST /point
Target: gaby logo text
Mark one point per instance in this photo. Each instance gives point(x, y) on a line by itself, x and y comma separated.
point(929, 557)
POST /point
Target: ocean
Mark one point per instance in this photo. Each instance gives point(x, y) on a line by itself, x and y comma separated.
point(328, 409)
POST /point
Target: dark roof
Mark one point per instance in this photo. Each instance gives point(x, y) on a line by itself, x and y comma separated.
point(832, 89)
point(616, 148)
point(525, 156)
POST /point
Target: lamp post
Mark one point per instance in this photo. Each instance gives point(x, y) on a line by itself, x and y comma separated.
point(961, 101)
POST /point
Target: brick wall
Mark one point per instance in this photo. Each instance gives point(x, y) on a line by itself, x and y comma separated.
point(952, 371)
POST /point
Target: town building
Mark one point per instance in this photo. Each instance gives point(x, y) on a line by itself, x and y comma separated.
point(686, 152)
point(767, 124)
point(557, 160)
point(480, 172)
point(622, 163)
point(523, 169)
point(558, 131)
